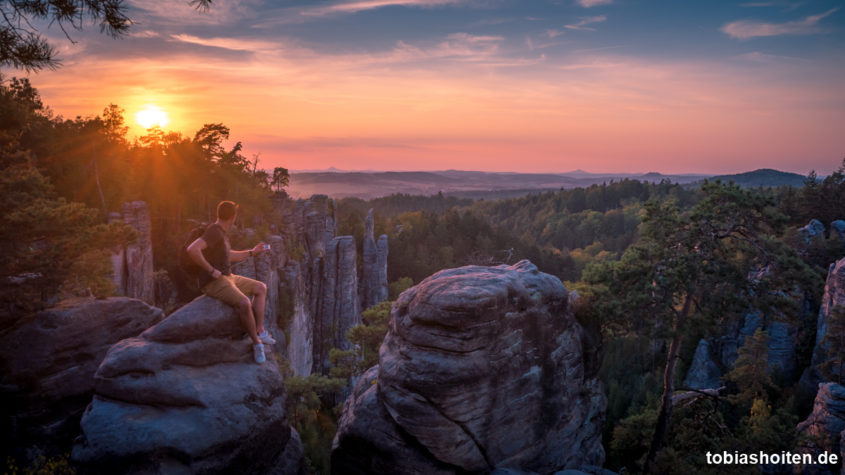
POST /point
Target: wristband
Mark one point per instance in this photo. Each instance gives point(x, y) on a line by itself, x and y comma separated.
point(250, 253)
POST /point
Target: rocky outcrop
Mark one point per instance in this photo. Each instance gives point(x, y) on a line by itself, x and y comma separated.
point(813, 231)
point(315, 223)
point(482, 368)
point(319, 283)
point(49, 360)
point(715, 357)
point(842, 452)
point(704, 373)
point(186, 397)
point(782, 351)
point(837, 228)
point(339, 309)
point(374, 266)
point(118, 260)
point(823, 429)
point(138, 266)
point(300, 349)
point(834, 295)
point(313, 290)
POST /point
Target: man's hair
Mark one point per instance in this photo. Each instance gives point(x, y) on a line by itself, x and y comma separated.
point(226, 210)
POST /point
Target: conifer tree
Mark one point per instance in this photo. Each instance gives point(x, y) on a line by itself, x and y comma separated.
point(23, 47)
point(697, 266)
point(751, 370)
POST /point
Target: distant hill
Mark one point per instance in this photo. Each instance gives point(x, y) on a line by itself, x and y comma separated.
point(764, 177)
point(489, 185)
point(475, 184)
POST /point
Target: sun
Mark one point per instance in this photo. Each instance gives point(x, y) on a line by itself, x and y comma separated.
point(152, 116)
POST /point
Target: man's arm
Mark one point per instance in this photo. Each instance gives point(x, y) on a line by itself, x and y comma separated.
point(195, 251)
point(235, 256)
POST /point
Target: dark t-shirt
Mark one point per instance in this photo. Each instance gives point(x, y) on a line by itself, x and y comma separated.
point(216, 252)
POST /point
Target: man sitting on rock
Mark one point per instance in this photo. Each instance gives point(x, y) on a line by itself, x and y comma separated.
point(213, 255)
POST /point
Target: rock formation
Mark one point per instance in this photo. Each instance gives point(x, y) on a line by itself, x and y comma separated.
point(312, 282)
point(704, 372)
point(339, 309)
point(374, 266)
point(834, 295)
point(825, 427)
point(482, 368)
point(814, 230)
point(319, 287)
point(132, 266)
point(118, 261)
point(715, 357)
point(49, 360)
point(300, 349)
point(838, 227)
point(187, 397)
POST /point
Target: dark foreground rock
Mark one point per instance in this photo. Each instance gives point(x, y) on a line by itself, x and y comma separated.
point(482, 368)
point(187, 397)
point(49, 360)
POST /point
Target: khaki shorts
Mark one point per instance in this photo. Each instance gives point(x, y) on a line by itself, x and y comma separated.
point(231, 289)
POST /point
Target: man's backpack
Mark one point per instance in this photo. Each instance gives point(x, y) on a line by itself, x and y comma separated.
point(186, 263)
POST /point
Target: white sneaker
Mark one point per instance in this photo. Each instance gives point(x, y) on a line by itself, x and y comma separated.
point(258, 353)
point(266, 337)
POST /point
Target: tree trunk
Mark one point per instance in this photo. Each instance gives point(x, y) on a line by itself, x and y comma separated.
point(100, 188)
point(665, 414)
point(97, 179)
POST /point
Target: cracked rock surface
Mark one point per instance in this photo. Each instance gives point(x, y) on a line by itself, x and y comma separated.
point(482, 368)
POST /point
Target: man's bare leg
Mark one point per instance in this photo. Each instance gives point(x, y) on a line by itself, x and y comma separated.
point(248, 321)
point(258, 306)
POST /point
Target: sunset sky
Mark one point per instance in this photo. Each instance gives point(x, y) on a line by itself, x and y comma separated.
point(501, 85)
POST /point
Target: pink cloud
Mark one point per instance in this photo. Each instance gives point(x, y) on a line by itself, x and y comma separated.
point(593, 3)
point(353, 7)
point(582, 24)
point(235, 44)
point(745, 29)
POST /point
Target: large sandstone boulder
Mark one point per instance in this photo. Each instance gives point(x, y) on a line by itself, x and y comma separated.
point(482, 368)
point(824, 428)
point(49, 360)
point(187, 397)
